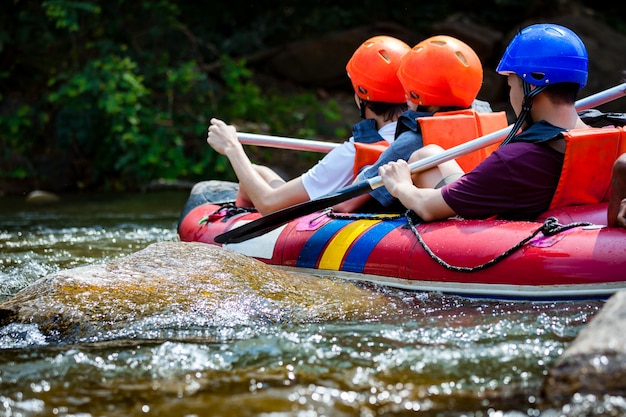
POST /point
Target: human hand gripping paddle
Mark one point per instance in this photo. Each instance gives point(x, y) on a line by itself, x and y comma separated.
point(273, 220)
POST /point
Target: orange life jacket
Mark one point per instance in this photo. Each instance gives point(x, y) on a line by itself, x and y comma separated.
point(367, 154)
point(453, 128)
point(369, 144)
point(588, 165)
point(446, 129)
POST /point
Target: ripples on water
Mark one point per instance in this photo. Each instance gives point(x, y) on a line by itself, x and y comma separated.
point(36, 240)
point(428, 353)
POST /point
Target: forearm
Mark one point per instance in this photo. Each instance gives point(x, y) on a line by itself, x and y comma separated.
point(259, 185)
point(621, 214)
point(427, 203)
point(257, 189)
point(617, 197)
point(616, 216)
point(266, 189)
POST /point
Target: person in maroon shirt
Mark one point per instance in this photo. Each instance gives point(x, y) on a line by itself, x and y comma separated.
point(545, 65)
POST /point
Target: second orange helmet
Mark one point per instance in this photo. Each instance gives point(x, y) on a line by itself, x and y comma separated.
point(441, 71)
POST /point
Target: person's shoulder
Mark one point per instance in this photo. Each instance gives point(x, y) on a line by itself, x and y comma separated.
point(408, 121)
point(388, 131)
point(527, 153)
point(539, 132)
point(407, 142)
point(513, 149)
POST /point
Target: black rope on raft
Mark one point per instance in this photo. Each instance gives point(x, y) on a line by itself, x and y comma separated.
point(550, 227)
point(225, 211)
point(362, 216)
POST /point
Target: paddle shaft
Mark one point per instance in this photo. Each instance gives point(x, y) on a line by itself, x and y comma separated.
point(286, 143)
point(273, 220)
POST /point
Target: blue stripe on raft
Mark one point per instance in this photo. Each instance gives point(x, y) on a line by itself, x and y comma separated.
point(363, 247)
point(312, 249)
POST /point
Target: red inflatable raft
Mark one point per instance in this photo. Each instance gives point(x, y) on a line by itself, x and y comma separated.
point(568, 253)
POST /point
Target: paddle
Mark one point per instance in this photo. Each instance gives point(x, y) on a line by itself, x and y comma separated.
point(286, 143)
point(273, 220)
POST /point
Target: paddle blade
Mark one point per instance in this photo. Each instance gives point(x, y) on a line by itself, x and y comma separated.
point(273, 220)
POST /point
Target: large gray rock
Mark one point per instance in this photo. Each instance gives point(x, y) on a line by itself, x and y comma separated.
point(177, 285)
point(595, 362)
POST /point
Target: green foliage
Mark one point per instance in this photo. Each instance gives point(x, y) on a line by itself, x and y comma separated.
point(246, 101)
point(119, 97)
point(119, 93)
point(105, 112)
point(65, 13)
point(14, 128)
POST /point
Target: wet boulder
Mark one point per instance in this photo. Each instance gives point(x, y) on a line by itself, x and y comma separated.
point(179, 285)
point(595, 362)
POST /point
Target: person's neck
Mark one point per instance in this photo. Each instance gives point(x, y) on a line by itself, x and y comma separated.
point(560, 115)
point(380, 119)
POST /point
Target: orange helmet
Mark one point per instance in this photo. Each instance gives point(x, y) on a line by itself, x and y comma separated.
point(373, 69)
point(441, 71)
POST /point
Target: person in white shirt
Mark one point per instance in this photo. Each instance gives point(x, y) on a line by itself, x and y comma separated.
point(380, 97)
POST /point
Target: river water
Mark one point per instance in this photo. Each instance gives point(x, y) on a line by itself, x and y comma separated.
point(427, 354)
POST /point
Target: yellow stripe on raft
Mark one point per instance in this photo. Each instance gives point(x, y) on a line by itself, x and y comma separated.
point(337, 247)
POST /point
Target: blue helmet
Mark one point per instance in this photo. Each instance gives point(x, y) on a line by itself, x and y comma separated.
point(545, 54)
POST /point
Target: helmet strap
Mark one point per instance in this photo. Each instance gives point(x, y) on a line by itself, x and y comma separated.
point(524, 115)
point(362, 104)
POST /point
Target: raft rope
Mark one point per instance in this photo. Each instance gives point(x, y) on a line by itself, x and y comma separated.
point(225, 212)
point(550, 227)
point(362, 216)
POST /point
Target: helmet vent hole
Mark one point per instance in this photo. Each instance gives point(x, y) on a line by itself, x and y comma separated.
point(462, 58)
point(414, 95)
point(362, 90)
point(385, 56)
point(538, 75)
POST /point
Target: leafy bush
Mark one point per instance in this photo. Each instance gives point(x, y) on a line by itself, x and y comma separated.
point(113, 94)
point(125, 104)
